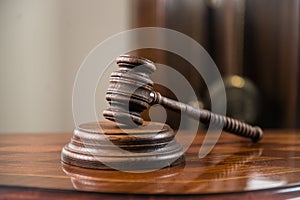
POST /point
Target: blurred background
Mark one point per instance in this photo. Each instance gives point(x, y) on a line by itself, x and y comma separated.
point(255, 44)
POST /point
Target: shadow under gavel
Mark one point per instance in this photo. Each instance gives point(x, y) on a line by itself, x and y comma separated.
point(130, 92)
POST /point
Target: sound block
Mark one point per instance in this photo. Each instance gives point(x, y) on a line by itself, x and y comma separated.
point(108, 145)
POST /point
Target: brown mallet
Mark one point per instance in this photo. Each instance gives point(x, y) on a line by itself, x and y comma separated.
point(130, 92)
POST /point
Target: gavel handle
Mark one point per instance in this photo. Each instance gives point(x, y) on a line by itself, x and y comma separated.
point(228, 124)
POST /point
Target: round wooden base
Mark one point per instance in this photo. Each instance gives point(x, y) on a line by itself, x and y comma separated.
point(107, 145)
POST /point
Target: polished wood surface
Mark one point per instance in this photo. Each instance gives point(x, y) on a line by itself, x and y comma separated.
point(236, 168)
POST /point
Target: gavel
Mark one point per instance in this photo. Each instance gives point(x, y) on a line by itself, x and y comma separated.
point(130, 92)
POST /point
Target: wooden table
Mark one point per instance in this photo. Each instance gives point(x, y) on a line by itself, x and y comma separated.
point(31, 169)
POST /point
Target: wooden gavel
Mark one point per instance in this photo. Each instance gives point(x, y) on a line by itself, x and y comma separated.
point(131, 91)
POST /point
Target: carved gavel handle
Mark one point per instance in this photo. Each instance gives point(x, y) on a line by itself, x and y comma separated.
point(228, 124)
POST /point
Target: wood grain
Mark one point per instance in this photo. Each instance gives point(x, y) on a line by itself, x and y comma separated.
point(31, 168)
point(106, 145)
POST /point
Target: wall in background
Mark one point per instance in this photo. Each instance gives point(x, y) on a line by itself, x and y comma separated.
point(43, 43)
point(255, 39)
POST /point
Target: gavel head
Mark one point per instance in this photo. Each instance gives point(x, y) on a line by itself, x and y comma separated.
point(129, 90)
